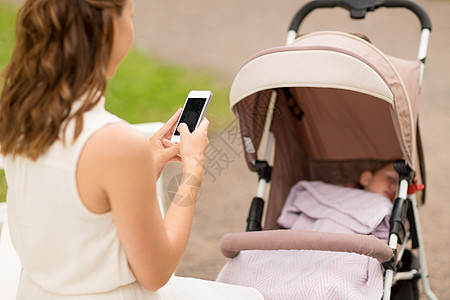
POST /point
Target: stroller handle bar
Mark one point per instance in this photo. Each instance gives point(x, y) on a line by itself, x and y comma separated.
point(286, 239)
point(359, 8)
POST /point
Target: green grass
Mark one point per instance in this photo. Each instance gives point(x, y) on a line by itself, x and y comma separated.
point(2, 186)
point(7, 17)
point(143, 89)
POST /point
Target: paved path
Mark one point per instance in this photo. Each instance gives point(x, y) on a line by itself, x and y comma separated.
point(221, 35)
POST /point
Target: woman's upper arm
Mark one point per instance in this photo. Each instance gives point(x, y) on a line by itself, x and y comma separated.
point(122, 165)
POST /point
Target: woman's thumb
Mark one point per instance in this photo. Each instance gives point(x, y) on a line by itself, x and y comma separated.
point(183, 128)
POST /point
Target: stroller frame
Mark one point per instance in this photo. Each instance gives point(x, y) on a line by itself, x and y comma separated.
point(405, 206)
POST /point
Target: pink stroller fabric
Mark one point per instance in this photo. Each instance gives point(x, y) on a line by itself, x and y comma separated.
point(232, 244)
point(318, 206)
point(306, 274)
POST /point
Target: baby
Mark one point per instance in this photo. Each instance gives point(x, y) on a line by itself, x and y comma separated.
point(382, 180)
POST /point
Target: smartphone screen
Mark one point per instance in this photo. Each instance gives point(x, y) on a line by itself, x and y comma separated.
point(191, 113)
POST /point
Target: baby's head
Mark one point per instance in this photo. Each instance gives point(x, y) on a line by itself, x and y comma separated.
point(382, 180)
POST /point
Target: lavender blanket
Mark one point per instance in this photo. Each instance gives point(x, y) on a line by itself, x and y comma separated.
point(317, 206)
point(306, 274)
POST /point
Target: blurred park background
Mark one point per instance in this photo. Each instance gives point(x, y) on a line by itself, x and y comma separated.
point(144, 89)
point(200, 44)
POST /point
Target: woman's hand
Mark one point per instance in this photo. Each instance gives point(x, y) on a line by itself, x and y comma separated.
point(163, 149)
point(116, 168)
point(193, 147)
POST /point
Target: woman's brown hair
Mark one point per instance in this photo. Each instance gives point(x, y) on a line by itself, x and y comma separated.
point(62, 53)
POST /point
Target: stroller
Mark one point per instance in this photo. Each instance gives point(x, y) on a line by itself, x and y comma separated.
point(335, 105)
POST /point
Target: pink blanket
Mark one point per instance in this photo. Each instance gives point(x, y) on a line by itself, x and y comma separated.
point(317, 206)
point(306, 274)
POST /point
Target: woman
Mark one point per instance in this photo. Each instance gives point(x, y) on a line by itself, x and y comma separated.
point(82, 205)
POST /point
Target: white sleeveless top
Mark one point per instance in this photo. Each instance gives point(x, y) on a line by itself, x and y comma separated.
point(64, 248)
point(68, 252)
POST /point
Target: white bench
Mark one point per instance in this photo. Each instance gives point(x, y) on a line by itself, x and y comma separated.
point(10, 266)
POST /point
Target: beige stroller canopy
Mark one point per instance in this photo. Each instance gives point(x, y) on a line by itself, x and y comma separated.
point(342, 107)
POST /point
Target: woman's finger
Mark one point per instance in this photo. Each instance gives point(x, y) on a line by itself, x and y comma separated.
point(167, 143)
point(168, 126)
point(176, 158)
point(204, 125)
point(171, 151)
point(183, 128)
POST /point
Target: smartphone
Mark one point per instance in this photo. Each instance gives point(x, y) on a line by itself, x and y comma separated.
point(194, 110)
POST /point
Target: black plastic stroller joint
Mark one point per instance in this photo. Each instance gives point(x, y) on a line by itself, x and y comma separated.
point(255, 215)
point(401, 205)
point(263, 169)
point(391, 265)
point(403, 170)
point(398, 218)
point(359, 8)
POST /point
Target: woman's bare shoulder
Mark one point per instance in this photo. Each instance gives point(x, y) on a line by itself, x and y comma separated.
point(117, 146)
point(117, 139)
point(114, 159)
point(120, 132)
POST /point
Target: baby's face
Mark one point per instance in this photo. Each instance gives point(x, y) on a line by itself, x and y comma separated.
point(384, 182)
